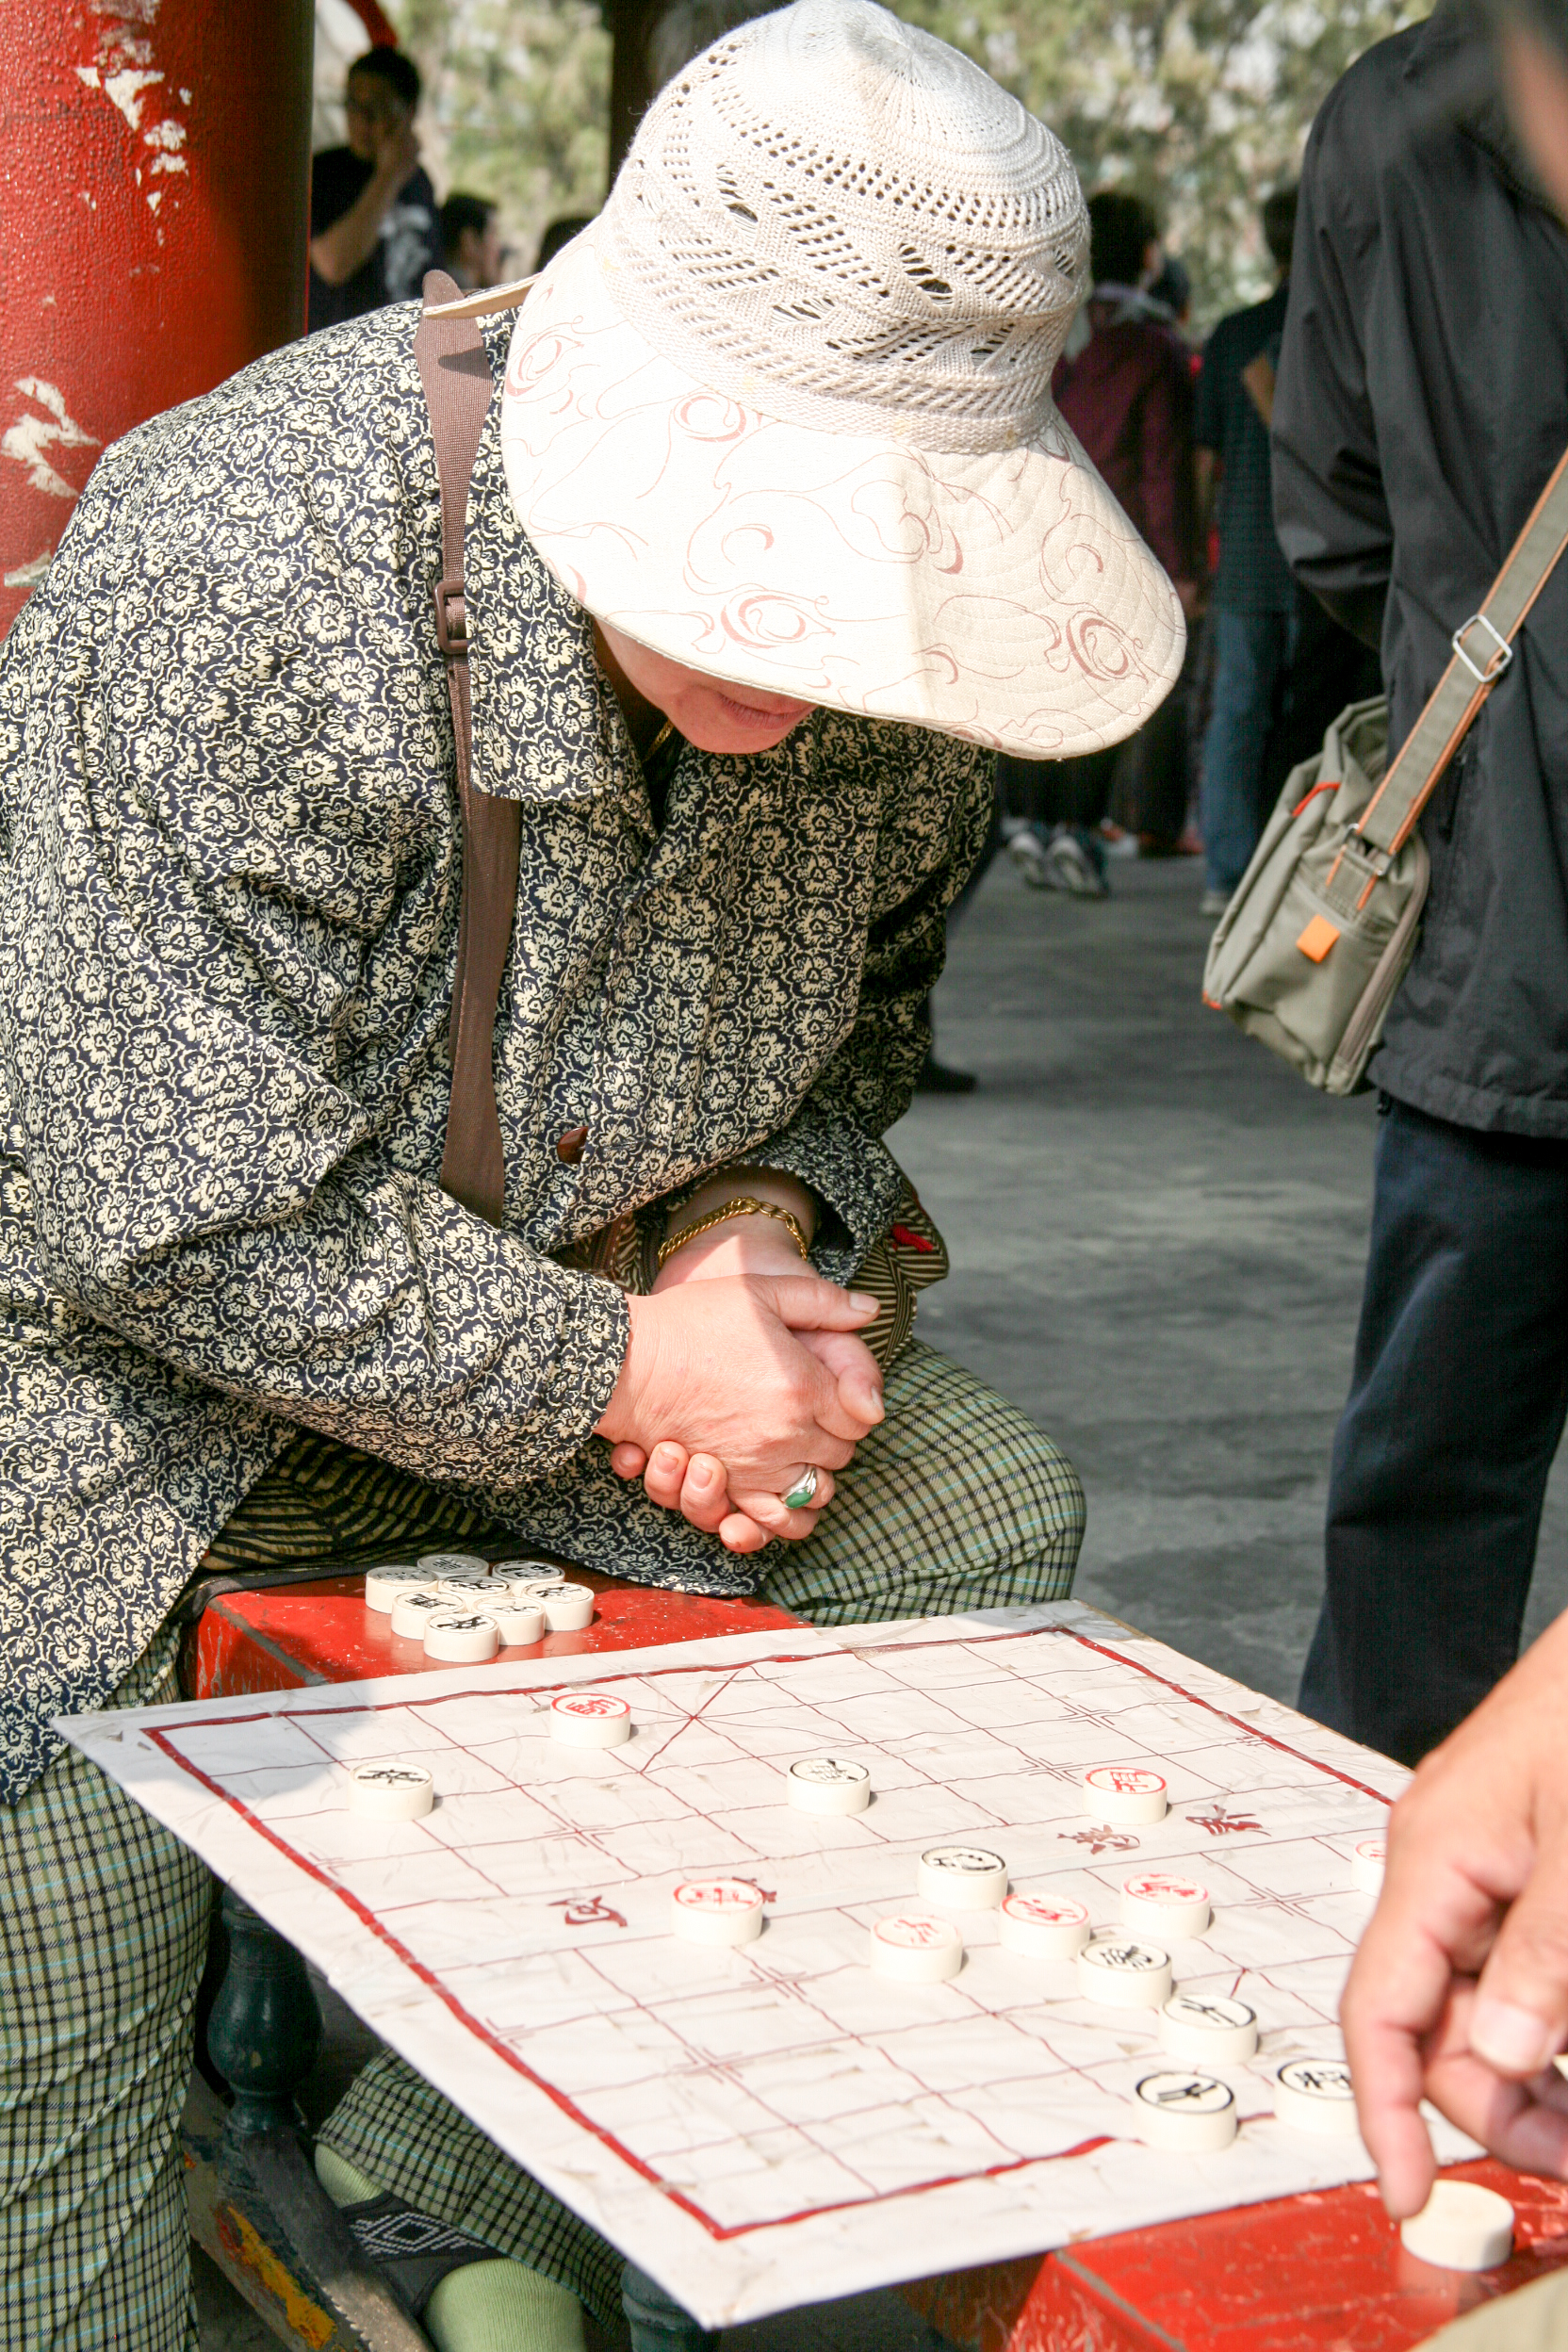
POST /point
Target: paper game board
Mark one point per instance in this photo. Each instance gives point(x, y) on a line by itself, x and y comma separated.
point(773, 2125)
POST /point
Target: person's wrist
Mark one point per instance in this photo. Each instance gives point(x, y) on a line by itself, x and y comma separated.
point(619, 1422)
point(741, 1246)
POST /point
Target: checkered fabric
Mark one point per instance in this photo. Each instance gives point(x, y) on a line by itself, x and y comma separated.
point(102, 1934)
point(322, 1499)
point(955, 1502)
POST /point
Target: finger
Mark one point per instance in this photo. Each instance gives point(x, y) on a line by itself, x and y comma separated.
point(1397, 1995)
point(665, 1474)
point(627, 1461)
point(1525, 2129)
point(806, 1303)
point(705, 1494)
point(1432, 1926)
point(771, 1511)
point(1524, 2123)
point(739, 1532)
point(860, 1392)
point(1520, 2020)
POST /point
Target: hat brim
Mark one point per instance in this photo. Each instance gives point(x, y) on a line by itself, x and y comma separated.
point(1003, 597)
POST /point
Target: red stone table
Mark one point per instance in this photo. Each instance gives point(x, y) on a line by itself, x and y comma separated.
point(1318, 2273)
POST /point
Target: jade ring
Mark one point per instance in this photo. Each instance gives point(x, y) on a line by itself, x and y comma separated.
point(801, 1493)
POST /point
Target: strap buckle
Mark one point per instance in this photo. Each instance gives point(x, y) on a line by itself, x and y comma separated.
point(1497, 662)
point(451, 619)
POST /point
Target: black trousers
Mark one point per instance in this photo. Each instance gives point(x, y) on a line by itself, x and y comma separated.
point(1455, 1410)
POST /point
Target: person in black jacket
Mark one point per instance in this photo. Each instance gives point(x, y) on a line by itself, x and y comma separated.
point(1422, 403)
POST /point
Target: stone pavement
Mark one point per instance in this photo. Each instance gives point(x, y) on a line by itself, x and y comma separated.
point(1157, 1234)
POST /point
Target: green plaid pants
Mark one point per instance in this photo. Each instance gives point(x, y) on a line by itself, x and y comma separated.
point(956, 1501)
point(103, 1934)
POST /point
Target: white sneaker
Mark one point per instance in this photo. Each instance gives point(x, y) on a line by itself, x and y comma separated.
point(1213, 902)
point(1071, 868)
point(1027, 852)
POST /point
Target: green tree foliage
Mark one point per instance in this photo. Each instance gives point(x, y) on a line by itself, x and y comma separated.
point(1202, 105)
point(516, 105)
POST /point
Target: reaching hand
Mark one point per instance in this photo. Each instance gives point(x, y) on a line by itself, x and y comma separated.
point(1460, 1989)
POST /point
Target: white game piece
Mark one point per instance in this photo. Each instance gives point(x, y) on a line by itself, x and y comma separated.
point(591, 1719)
point(411, 1612)
point(826, 1784)
point(567, 1607)
point(1124, 1792)
point(1460, 2226)
point(1208, 2029)
point(916, 1949)
point(390, 1792)
point(520, 1621)
point(529, 1571)
point(1044, 1927)
point(1195, 2113)
point(462, 1585)
point(383, 1586)
point(717, 1910)
point(520, 1587)
point(1119, 1973)
point(1157, 1903)
point(461, 1637)
point(451, 1563)
point(1314, 2095)
point(1367, 1873)
point(963, 1878)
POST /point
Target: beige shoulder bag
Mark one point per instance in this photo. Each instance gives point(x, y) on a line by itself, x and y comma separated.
point(1324, 922)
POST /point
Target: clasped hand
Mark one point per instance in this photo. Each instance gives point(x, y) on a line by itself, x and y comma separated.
point(744, 1369)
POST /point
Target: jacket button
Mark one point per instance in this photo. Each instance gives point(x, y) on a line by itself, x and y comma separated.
point(569, 1148)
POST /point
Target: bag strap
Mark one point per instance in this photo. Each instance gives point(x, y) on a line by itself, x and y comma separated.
point(1484, 650)
point(454, 369)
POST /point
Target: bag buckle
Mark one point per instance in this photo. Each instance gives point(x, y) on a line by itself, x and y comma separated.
point(451, 619)
point(1497, 662)
point(1378, 862)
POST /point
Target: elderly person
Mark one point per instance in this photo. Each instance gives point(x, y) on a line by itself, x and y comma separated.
point(771, 536)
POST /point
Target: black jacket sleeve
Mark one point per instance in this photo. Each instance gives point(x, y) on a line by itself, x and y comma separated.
point(1330, 506)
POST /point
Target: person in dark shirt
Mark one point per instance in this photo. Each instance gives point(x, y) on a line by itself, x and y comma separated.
point(560, 232)
point(1253, 598)
point(373, 231)
point(471, 241)
point(1124, 387)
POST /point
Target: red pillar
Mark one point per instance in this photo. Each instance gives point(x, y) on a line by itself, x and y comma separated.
point(154, 187)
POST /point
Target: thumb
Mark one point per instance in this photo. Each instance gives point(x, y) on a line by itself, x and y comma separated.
point(1520, 2019)
point(805, 1303)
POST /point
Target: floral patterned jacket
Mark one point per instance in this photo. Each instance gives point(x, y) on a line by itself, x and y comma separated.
point(227, 940)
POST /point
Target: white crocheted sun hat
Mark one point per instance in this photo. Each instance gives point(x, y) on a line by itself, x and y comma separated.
point(784, 413)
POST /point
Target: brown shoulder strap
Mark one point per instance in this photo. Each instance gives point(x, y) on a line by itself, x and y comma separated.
point(1483, 648)
point(454, 369)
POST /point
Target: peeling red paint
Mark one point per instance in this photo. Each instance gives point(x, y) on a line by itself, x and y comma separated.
point(151, 230)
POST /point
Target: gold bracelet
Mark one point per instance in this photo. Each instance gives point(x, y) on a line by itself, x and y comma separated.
point(742, 1207)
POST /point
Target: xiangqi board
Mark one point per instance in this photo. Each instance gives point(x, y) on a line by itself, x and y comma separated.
point(777, 2121)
